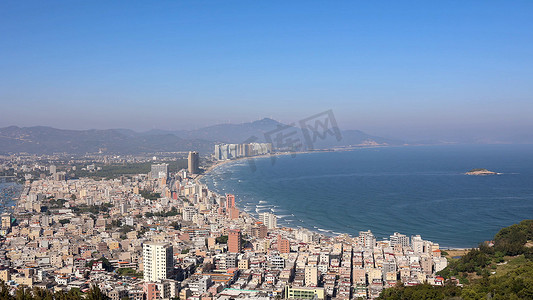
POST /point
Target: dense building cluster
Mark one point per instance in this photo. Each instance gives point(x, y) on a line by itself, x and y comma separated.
point(163, 235)
point(233, 151)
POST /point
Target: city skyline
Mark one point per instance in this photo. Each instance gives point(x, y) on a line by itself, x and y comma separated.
point(408, 70)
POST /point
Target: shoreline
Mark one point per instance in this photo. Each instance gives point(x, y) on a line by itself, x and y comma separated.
point(324, 232)
point(219, 163)
point(7, 204)
point(313, 229)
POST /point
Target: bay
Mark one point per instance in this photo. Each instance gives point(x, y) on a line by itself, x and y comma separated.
point(411, 190)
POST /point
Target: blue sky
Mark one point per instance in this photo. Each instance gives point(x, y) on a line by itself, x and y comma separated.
point(413, 69)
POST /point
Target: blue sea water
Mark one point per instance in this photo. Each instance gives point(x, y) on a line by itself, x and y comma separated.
point(8, 192)
point(411, 190)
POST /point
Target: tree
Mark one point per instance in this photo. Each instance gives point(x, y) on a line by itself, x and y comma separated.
point(4, 291)
point(96, 294)
point(223, 239)
point(175, 225)
point(23, 293)
point(42, 294)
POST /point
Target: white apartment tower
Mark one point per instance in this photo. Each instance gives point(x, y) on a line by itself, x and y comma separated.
point(418, 244)
point(367, 239)
point(157, 261)
point(269, 220)
point(399, 239)
point(311, 276)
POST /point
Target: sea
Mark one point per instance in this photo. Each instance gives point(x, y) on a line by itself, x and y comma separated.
point(413, 190)
point(9, 192)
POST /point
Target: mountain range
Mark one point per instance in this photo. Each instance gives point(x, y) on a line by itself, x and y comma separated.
point(48, 140)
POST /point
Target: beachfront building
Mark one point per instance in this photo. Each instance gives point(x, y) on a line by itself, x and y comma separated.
point(269, 220)
point(233, 151)
point(182, 235)
point(399, 239)
point(193, 162)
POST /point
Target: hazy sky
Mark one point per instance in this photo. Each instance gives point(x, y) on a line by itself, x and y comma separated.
point(397, 68)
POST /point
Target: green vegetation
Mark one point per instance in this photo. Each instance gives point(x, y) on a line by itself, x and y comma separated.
point(503, 271)
point(93, 209)
point(114, 170)
point(172, 212)
point(175, 225)
point(223, 239)
point(149, 195)
point(423, 291)
point(64, 221)
point(25, 293)
point(114, 223)
point(105, 264)
point(129, 272)
point(59, 203)
point(512, 240)
point(117, 170)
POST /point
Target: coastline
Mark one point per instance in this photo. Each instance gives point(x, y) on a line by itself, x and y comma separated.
point(323, 232)
point(9, 201)
point(313, 229)
point(219, 163)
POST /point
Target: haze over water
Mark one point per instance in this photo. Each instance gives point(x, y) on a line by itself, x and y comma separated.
point(411, 190)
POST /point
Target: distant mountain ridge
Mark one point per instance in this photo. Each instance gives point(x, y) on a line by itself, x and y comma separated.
point(48, 140)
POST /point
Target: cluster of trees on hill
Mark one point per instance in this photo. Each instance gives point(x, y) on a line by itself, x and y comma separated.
point(515, 283)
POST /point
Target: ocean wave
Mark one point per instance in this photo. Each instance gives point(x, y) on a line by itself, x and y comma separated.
point(274, 209)
point(283, 216)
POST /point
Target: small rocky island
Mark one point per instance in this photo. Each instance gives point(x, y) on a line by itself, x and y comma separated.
point(480, 172)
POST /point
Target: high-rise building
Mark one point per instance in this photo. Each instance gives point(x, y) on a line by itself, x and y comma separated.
point(233, 213)
point(6, 221)
point(188, 213)
point(399, 239)
point(367, 239)
point(417, 243)
point(157, 261)
point(284, 246)
point(193, 162)
point(269, 219)
point(234, 241)
point(259, 230)
point(230, 201)
point(233, 151)
point(53, 169)
point(311, 276)
point(159, 171)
